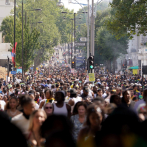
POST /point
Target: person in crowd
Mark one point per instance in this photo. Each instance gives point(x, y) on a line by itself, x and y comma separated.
point(126, 99)
point(48, 108)
point(92, 126)
point(5, 98)
point(142, 112)
point(55, 123)
point(79, 119)
point(73, 98)
point(61, 107)
point(22, 120)
point(60, 139)
point(99, 92)
point(32, 95)
point(11, 107)
point(36, 120)
point(10, 135)
point(49, 98)
point(115, 99)
point(85, 95)
point(2, 103)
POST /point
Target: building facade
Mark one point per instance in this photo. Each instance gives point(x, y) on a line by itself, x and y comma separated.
point(5, 8)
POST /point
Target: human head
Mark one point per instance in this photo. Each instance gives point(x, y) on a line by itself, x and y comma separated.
point(9, 139)
point(56, 123)
point(60, 139)
point(82, 108)
point(115, 99)
point(145, 95)
point(94, 116)
point(59, 96)
point(99, 92)
point(134, 87)
point(13, 102)
point(32, 94)
point(110, 108)
point(123, 122)
point(131, 91)
point(27, 104)
point(73, 93)
point(85, 90)
point(48, 93)
point(126, 97)
point(5, 98)
point(48, 108)
point(36, 119)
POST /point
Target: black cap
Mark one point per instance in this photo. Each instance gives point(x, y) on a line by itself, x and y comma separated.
point(73, 91)
point(86, 89)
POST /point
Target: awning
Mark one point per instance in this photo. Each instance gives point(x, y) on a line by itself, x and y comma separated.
point(134, 67)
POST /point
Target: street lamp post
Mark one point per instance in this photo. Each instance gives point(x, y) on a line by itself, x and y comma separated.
point(71, 40)
point(73, 33)
point(38, 9)
point(22, 40)
point(92, 31)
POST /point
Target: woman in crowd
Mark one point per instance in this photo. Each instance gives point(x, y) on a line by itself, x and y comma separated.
point(48, 108)
point(49, 98)
point(5, 98)
point(115, 99)
point(92, 126)
point(11, 107)
point(79, 119)
point(36, 120)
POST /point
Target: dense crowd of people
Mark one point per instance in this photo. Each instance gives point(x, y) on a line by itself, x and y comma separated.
point(62, 109)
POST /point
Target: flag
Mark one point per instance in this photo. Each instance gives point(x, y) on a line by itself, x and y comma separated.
point(13, 54)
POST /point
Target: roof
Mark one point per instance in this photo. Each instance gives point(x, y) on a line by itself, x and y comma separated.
point(134, 67)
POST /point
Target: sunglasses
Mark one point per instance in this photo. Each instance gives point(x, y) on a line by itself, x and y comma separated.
point(48, 107)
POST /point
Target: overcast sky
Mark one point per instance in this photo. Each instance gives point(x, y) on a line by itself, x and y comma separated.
point(76, 7)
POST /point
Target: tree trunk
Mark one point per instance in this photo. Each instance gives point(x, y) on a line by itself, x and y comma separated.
point(114, 65)
point(108, 65)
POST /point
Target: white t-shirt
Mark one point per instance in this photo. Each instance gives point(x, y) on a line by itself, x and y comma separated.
point(77, 99)
point(36, 106)
point(90, 92)
point(22, 123)
point(2, 105)
point(49, 86)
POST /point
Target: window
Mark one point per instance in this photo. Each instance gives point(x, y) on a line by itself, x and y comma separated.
point(7, 2)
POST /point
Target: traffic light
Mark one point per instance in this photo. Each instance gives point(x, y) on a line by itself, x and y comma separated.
point(10, 67)
point(73, 64)
point(91, 62)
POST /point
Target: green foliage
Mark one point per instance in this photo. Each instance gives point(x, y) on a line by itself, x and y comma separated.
point(53, 30)
point(128, 15)
point(81, 26)
point(107, 47)
point(30, 40)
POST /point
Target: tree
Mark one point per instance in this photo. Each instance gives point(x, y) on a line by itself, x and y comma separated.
point(128, 16)
point(81, 24)
point(30, 40)
point(53, 30)
point(107, 47)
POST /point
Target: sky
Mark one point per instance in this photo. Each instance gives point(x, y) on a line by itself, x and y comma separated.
point(76, 7)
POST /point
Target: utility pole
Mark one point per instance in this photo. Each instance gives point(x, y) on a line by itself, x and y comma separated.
point(8, 69)
point(22, 40)
point(88, 32)
point(74, 38)
point(74, 33)
point(92, 31)
point(71, 41)
point(14, 39)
